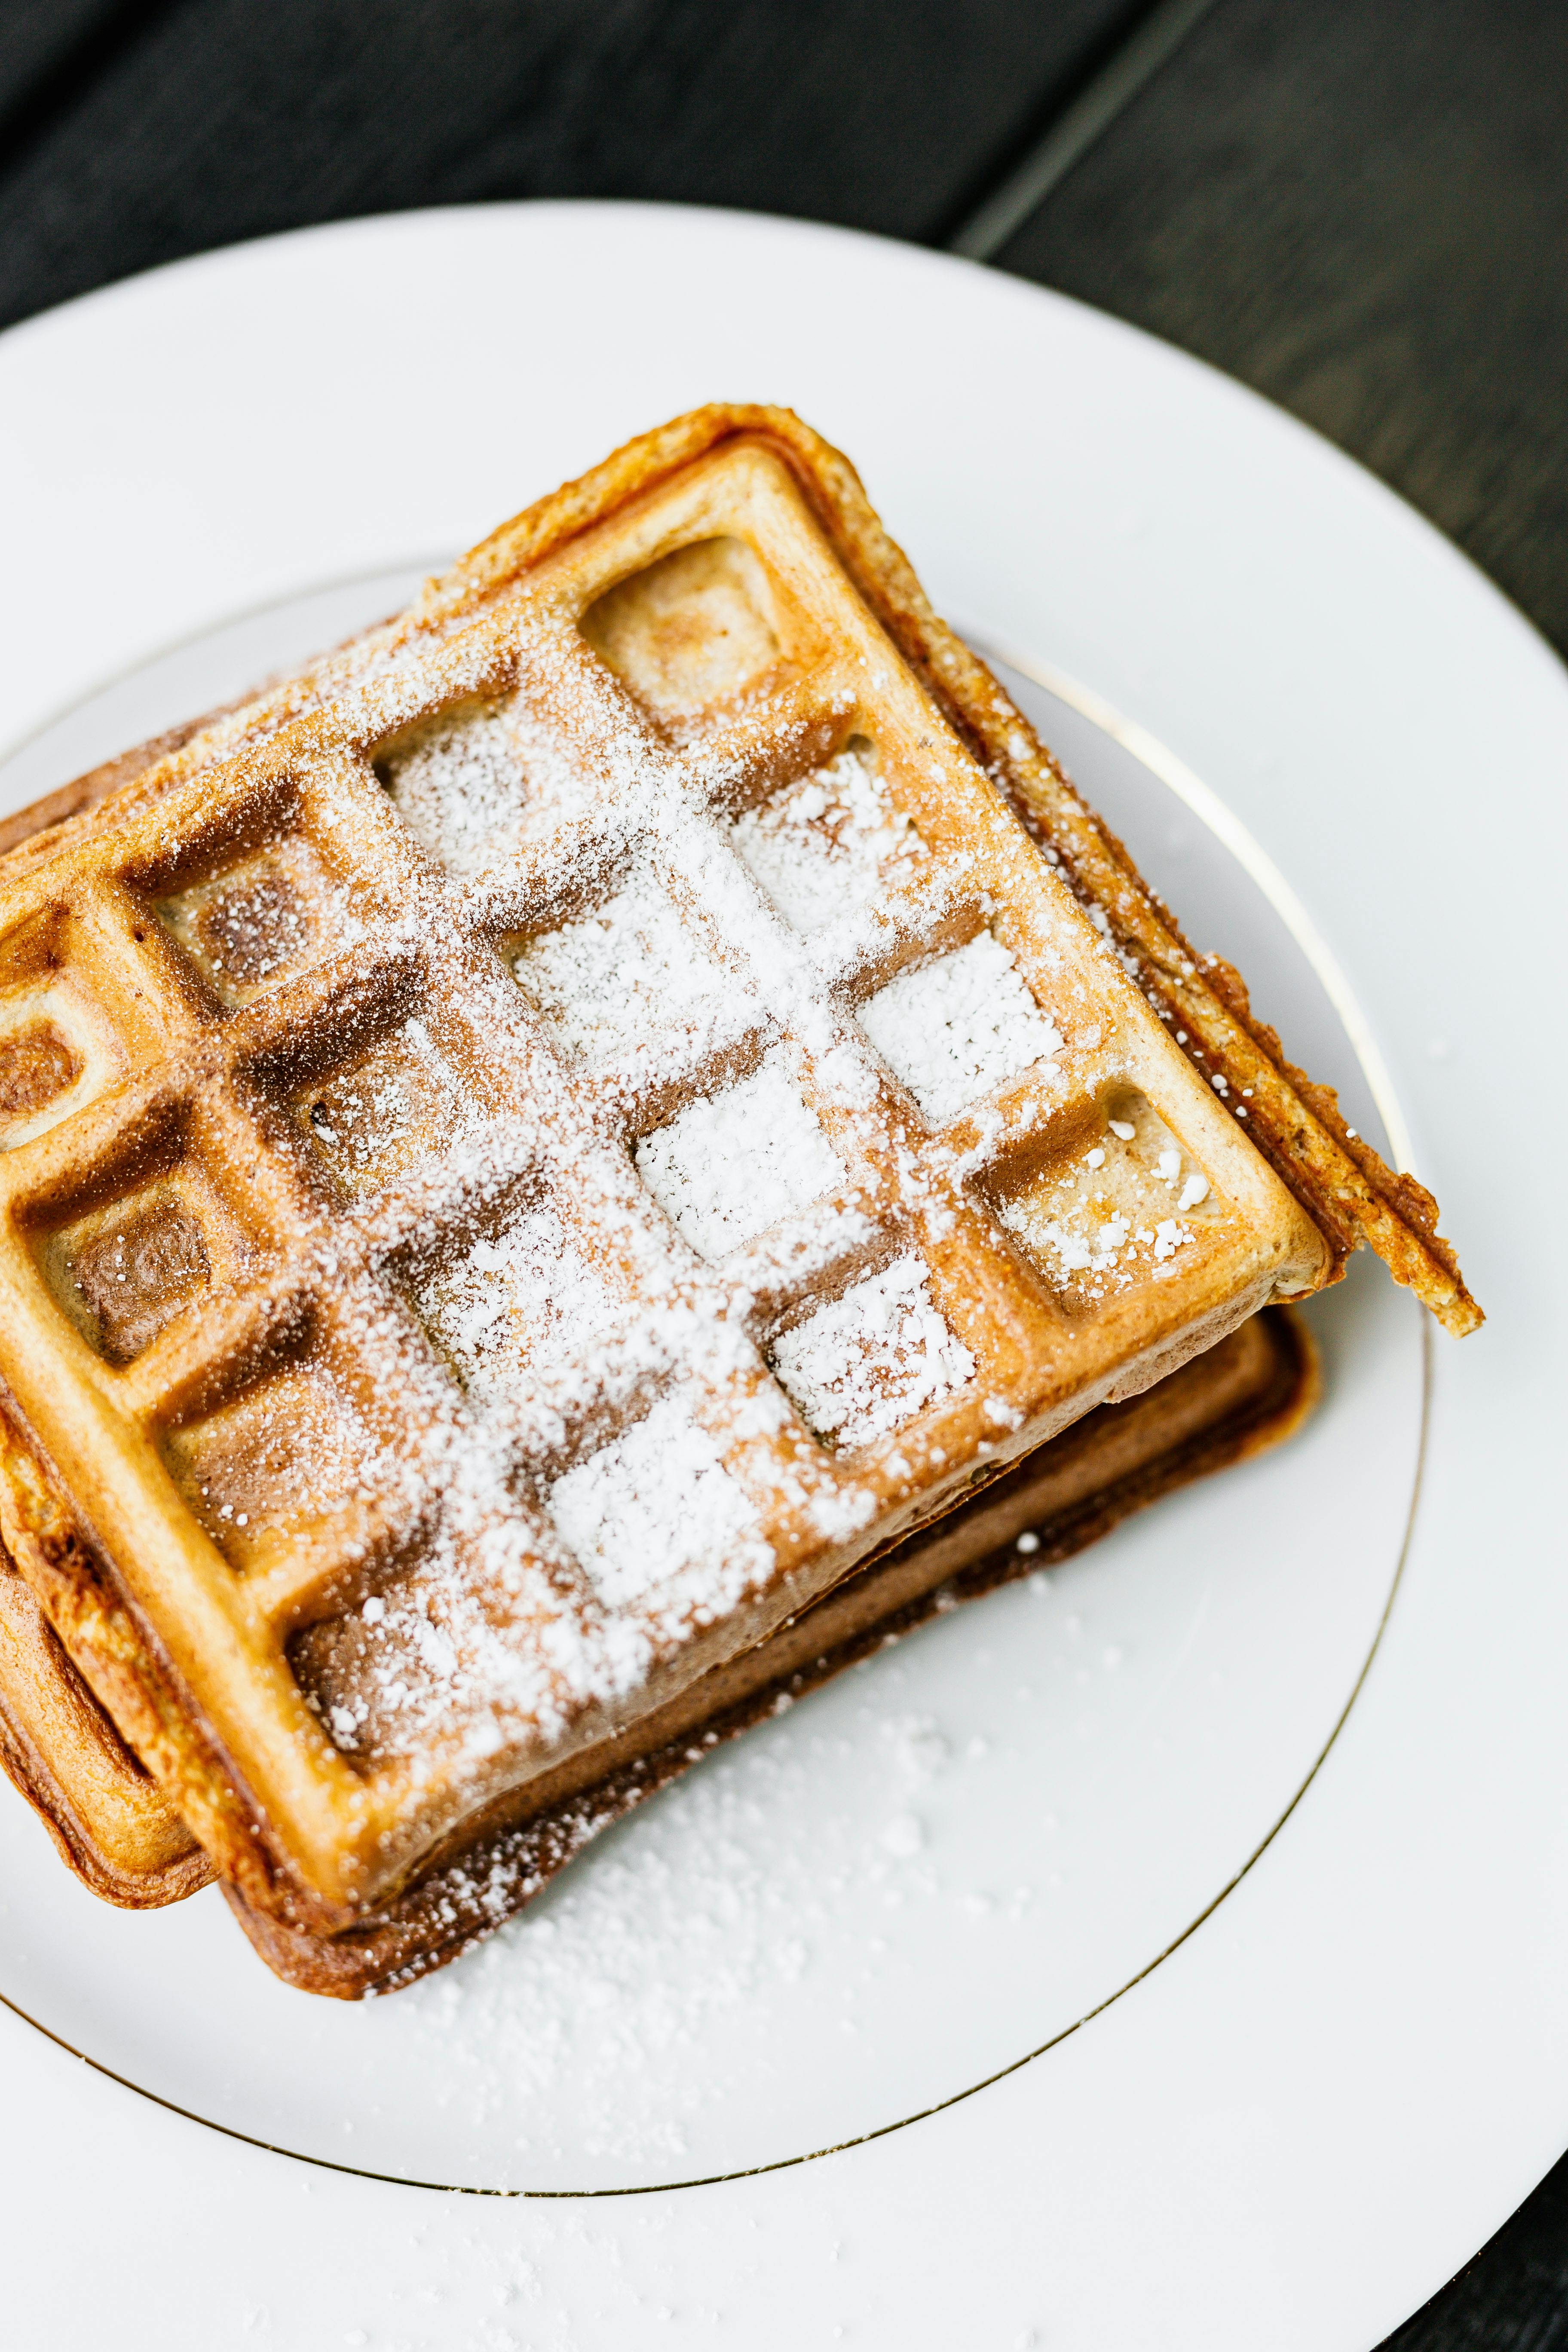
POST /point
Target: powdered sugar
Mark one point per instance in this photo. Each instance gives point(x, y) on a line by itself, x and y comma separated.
point(523, 1296)
point(629, 988)
point(580, 1332)
point(1101, 1223)
point(734, 1163)
point(275, 912)
point(659, 1503)
point(459, 787)
point(829, 843)
point(401, 1104)
point(863, 1364)
point(955, 1029)
point(290, 1449)
point(1096, 1252)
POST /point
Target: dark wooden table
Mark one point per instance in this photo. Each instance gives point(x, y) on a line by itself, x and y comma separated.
point(1359, 206)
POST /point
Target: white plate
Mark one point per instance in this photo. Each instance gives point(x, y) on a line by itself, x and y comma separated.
point(1357, 2050)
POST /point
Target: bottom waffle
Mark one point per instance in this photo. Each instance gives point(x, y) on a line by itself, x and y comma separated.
point(104, 1813)
point(1245, 1394)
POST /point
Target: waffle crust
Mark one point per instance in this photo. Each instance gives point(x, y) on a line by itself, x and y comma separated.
point(105, 1815)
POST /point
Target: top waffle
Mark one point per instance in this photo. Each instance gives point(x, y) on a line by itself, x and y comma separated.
point(535, 1150)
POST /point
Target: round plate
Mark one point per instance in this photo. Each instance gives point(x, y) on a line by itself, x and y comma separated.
point(903, 1888)
point(952, 1860)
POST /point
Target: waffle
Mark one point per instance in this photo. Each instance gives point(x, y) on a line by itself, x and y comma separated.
point(541, 1146)
point(103, 1812)
point(1247, 1393)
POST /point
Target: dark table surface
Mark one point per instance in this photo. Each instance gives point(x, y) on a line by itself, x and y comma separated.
point(1359, 206)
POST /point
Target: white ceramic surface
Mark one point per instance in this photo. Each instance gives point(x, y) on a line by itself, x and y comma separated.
point(1300, 2123)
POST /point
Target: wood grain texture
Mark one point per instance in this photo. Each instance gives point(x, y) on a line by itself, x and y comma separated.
point(223, 119)
point(40, 39)
point(1363, 212)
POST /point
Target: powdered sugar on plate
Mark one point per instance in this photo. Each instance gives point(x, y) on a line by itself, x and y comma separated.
point(736, 1162)
point(863, 1364)
point(957, 1028)
point(829, 843)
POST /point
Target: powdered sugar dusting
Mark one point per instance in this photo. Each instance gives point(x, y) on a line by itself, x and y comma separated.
point(273, 913)
point(402, 1103)
point(736, 1162)
point(1112, 1247)
point(829, 843)
point(655, 1505)
point(525, 1297)
point(957, 1028)
point(629, 987)
point(459, 787)
point(863, 1364)
point(1101, 1223)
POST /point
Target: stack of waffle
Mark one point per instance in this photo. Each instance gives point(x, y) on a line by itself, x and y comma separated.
point(545, 1164)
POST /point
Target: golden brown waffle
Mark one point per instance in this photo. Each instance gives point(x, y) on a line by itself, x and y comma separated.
point(111, 1825)
point(293, 1088)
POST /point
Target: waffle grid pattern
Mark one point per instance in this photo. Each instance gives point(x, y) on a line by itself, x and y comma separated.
point(349, 968)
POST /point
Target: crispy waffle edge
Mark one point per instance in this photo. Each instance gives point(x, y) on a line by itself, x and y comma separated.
point(121, 1665)
point(132, 1880)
